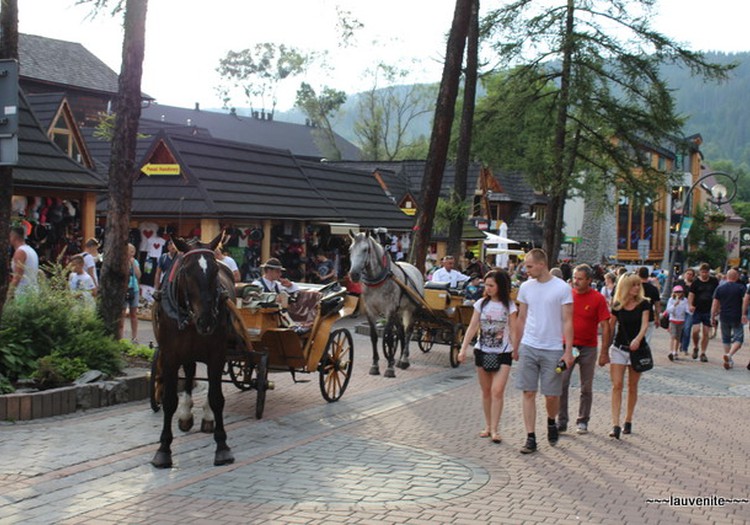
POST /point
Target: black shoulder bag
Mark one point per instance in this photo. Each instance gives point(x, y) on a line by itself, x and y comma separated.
point(641, 360)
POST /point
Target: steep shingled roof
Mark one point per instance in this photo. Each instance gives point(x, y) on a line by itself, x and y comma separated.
point(45, 106)
point(228, 180)
point(407, 175)
point(357, 196)
point(101, 149)
point(297, 138)
point(64, 63)
point(41, 163)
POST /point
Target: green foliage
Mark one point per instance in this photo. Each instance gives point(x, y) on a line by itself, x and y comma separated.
point(447, 211)
point(17, 356)
point(514, 124)
point(137, 351)
point(386, 116)
point(599, 61)
point(320, 109)
point(706, 245)
point(55, 370)
point(5, 385)
point(257, 72)
point(53, 321)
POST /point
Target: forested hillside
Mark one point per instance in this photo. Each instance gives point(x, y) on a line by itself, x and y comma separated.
point(720, 113)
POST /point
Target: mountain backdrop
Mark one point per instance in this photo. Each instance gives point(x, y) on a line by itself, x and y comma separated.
point(719, 112)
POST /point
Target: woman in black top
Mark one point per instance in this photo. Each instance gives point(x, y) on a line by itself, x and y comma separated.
point(630, 315)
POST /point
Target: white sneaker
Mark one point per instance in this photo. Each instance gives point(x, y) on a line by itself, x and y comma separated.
point(582, 428)
point(731, 362)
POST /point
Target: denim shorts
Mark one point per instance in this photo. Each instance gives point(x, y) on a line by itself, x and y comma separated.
point(732, 333)
point(703, 318)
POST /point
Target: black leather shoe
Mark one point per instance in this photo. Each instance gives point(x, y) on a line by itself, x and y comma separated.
point(627, 428)
point(615, 432)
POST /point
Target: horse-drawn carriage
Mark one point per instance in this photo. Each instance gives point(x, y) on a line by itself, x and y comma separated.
point(299, 338)
point(442, 319)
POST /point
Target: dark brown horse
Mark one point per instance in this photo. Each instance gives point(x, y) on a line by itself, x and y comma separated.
point(191, 323)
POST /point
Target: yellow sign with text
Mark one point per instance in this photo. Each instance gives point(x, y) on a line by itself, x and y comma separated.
point(161, 169)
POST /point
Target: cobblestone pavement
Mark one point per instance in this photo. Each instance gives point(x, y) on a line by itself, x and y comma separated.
point(401, 450)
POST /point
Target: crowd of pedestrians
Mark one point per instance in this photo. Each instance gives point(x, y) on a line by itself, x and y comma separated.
point(557, 324)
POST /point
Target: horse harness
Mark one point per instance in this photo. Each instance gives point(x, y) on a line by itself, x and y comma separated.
point(387, 274)
point(182, 312)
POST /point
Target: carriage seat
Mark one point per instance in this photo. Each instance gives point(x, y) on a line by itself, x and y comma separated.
point(303, 310)
point(430, 285)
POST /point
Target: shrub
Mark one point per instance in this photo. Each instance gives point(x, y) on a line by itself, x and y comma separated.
point(53, 321)
point(137, 351)
point(55, 370)
point(5, 386)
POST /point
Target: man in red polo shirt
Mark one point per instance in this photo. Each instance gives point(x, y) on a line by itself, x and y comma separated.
point(590, 311)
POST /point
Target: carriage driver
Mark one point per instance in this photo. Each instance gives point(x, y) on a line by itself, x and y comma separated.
point(447, 274)
point(272, 281)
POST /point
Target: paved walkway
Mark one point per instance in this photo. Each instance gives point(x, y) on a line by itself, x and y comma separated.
point(401, 450)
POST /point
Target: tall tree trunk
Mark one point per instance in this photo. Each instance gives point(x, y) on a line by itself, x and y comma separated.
point(114, 275)
point(559, 188)
point(463, 153)
point(441, 132)
point(8, 49)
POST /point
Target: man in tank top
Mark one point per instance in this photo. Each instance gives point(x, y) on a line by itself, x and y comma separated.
point(24, 265)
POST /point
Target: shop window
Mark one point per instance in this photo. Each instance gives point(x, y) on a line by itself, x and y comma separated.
point(539, 212)
point(635, 220)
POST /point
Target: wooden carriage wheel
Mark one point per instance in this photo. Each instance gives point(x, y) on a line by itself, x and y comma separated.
point(425, 339)
point(335, 367)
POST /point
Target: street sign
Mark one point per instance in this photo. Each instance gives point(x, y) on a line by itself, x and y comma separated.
point(644, 246)
point(161, 169)
point(8, 112)
point(685, 225)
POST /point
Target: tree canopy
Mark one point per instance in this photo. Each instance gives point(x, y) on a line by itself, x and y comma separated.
point(599, 63)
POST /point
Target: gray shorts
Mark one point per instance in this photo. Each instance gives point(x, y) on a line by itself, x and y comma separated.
point(536, 371)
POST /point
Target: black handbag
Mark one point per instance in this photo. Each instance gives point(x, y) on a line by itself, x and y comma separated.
point(664, 321)
point(642, 360)
point(490, 362)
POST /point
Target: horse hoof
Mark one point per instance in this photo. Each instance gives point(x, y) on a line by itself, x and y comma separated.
point(207, 427)
point(185, 424)
point(162, 459)
point(223, 457)
point(374, 370)
point(389, 372)
point(403, 364)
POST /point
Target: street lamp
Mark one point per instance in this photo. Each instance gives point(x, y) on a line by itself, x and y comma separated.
point(718, 194)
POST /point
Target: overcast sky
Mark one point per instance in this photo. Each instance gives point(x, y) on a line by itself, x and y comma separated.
point(186, 38)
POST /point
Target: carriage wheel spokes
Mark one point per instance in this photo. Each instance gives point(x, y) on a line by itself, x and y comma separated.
point(335, 368)
point(241, 373)
point(425, 339)
point(457, 341)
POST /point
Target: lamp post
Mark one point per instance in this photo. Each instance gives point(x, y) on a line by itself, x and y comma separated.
point(717, 194)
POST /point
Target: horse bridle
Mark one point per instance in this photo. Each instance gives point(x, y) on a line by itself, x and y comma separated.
point(185, 313)
point(385, 272)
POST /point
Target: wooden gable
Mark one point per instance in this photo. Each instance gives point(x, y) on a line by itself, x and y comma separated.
point(63, 131)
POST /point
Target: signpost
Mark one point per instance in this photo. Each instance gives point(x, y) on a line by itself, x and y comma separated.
point(161, 169)
point(644, 246)
point(8, 112)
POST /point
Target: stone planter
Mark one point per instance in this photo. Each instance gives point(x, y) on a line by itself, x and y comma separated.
point(60, 401)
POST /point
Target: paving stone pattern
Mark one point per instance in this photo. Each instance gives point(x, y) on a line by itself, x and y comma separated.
point(401, 450)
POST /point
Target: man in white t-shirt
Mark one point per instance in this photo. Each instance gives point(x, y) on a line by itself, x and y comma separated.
point(545, 316)
point(447, 274)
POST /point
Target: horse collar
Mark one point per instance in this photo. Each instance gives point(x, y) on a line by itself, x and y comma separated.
point(382, 277)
